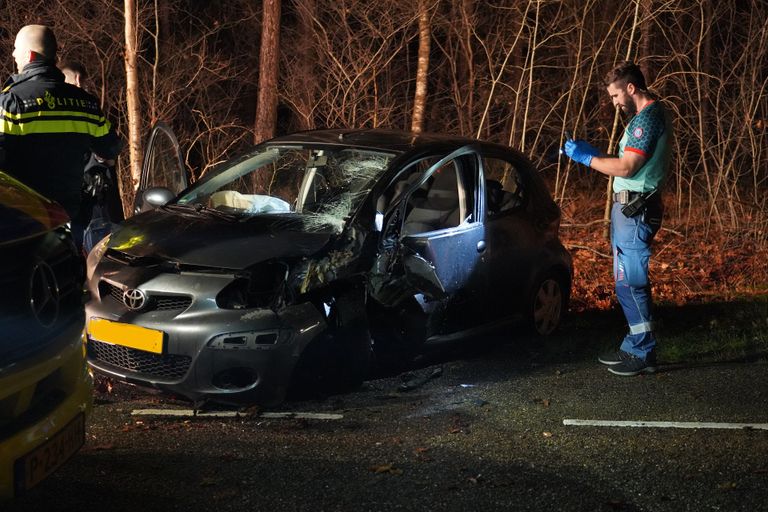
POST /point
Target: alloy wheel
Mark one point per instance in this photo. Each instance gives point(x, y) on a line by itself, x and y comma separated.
point(548, 306)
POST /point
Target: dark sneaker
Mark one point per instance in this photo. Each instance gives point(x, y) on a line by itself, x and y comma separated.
point(614, 357)
point(634, 366)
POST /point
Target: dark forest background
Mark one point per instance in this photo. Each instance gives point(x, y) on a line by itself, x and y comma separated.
point(518, 72)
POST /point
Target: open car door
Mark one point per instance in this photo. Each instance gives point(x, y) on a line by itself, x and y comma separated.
point(438, 249)
point(163, 174)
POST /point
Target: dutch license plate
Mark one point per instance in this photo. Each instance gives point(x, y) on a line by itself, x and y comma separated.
point(34, 467)
point(126, 335)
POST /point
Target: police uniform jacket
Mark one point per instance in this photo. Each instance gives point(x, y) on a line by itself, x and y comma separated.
point(47, 130)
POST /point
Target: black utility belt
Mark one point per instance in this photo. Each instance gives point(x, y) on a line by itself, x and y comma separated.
point(625, 196)
point(633, 202)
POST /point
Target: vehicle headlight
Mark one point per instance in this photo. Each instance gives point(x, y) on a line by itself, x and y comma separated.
point(94, 257)
point(258, 289)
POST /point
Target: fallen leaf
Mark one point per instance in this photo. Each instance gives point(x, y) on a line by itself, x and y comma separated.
point(250, 411)
point(386, 468)
point(99, 447)
point(383, 468)
point(727, 486)
point(547, 434)
point(208, 482)
point(421, 454)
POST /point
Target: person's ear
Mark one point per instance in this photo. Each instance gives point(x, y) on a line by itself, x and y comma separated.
point(631, 88)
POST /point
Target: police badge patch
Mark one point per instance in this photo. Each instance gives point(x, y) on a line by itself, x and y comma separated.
point(638, 132)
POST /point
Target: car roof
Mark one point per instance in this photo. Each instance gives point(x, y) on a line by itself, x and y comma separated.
point(381, 139)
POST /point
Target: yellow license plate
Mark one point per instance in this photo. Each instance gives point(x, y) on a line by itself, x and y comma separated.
point(126, 335)
point(34, 467)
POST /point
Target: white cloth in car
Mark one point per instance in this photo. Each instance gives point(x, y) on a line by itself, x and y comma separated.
point(251, 203)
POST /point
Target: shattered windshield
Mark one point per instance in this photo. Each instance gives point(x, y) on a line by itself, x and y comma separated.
point(323, 185)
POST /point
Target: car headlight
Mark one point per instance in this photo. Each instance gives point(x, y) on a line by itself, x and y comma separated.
point(94, 257)
point(258, 289)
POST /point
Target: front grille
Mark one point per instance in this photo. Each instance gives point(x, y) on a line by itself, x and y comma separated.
point(168, 366)
point(33, 310)
point(156, 302)
point(170, 302)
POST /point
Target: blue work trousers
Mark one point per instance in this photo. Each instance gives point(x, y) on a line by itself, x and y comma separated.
point(631, 239)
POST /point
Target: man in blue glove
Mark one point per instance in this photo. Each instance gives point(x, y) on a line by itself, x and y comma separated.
point(639, 171)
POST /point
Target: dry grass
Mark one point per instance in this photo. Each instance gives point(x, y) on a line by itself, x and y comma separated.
point(689, 264)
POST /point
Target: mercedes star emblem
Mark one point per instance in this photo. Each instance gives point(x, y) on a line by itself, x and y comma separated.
point(134, 299)
point(44, 295)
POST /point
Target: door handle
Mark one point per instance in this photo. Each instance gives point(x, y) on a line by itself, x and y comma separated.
point(481, 246)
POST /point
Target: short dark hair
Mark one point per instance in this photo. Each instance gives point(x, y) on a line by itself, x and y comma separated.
point(627, 72)
point(75, 67)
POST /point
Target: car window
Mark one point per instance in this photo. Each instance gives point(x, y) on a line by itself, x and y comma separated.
point(324, 185)
point(164, 163)
point(444, 200)
point(504, 185)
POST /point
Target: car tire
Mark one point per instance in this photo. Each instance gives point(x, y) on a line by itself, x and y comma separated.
point(547, 303)
point(399, 334)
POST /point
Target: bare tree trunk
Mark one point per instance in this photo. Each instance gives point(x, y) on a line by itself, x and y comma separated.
point(304, 65)
point(132, 91)
point(462, 60)
point(160, 13)
point(644, 42)
point(532, 62)
point(266, 107)
point(614, 135)
point(420, 97)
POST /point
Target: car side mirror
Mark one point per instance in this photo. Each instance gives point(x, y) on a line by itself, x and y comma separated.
point(157, 196)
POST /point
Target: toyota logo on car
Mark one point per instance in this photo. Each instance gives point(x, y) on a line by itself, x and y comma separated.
point(134, 299)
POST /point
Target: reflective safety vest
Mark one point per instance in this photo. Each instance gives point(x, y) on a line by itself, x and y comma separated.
point(48, 128)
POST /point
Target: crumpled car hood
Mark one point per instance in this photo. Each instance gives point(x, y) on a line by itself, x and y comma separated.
point(212, 242)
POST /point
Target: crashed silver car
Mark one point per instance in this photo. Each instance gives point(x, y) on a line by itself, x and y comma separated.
point(315, 255)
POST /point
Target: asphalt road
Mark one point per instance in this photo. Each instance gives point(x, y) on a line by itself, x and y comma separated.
point(481, 432)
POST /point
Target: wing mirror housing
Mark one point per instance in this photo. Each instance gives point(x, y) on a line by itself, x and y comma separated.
point(157, 196)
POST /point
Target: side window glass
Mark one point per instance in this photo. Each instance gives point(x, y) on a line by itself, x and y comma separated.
point(394, 193)
point(504, 186)
point(164, 165)
point(439, 203)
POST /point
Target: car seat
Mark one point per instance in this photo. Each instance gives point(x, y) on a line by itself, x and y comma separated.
point(440, 208)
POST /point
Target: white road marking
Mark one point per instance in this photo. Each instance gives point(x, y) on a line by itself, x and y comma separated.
point(665, 424)
point(183, 413)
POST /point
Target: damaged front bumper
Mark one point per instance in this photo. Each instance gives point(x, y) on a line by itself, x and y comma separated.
point(227, 355)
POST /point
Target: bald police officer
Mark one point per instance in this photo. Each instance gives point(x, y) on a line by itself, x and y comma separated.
point(47, 126)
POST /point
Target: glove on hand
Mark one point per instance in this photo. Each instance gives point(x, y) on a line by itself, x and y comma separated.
point(580, 151)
